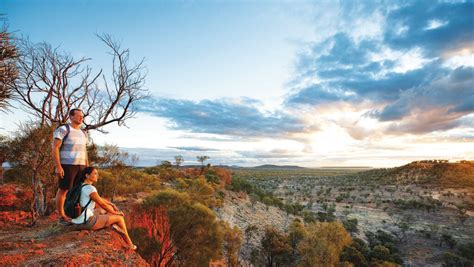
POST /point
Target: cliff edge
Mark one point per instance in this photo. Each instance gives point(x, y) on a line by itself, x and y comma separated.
point(47, 243)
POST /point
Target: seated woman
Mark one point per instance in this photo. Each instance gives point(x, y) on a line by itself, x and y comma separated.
point(106, 214)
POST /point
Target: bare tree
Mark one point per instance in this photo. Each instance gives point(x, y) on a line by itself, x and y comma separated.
point(178, 160)
point(8, 70)
point(51, 83)
point(202, 159)
point(134, 158)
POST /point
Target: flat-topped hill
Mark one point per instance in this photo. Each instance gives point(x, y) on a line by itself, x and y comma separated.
point(433, 172)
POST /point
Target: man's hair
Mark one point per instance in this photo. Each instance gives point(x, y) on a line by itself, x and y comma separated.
point(72, 111)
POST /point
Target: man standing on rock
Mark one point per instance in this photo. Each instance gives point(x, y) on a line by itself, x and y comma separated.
point(70, 158)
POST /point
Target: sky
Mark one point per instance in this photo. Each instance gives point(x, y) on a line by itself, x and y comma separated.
point(308, 83)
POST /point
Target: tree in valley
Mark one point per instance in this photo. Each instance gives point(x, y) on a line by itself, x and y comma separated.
point(323, 244)
point(352, 255)
point(403, 223)
point(250, 232)
point(380, 254)
point(275, 247)
point(350, 224)
point(462, 214)
point(232, 243)
point(297, 233)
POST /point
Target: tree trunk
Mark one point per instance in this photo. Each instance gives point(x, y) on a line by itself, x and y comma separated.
point(38, 205)
point(1, 173)
point(114, 189)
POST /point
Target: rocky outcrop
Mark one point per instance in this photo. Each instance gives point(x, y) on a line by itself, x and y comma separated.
point(238, 211)
point(48, 243)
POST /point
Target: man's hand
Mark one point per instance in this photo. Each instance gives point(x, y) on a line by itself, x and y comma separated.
point(60, 172)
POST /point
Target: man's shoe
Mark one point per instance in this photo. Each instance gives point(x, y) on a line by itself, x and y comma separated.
point(65, 222)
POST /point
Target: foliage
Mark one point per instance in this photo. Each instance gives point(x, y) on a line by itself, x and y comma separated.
point(467, 250)
point(436, 172)
point(380, 253)
point(193, 232)
point(382, 239)
point(132, 181)
point(256, 173)
point(428, 204)
point(37, 166)
point(350, 224)
point(202, 159)
point(323, 244)
point(275, 248)
point(296, 233)
point(111, 157)
point(353, 255)
point(453, 260)
point(200, 191)
point(8, 68)
point(178, 159)
point(449, 240)
point(232, 242)
point(165, 171)
point(242, 185)
point(250, 232)
point(212, 177)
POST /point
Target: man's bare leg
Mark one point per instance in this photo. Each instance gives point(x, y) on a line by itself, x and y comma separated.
point(60, 199)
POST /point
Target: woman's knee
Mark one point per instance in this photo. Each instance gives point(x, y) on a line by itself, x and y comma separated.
point(116, 218)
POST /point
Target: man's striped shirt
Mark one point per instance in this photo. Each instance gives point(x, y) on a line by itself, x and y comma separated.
point(73, 150)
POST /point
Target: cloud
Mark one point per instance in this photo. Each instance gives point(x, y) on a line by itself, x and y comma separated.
point(405, 69)
point(232, 117)
point(436, 27)
point(272, 154)
point(427, 121)
point(194, 148)
point(399, 65)
point(454, 93)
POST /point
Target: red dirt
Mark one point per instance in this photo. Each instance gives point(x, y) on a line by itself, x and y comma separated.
point(47, 243)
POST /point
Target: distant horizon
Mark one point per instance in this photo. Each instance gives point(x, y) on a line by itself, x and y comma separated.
point(194, 162)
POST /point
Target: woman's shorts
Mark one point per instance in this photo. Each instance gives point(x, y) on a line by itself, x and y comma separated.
point(89, 224)
point(95, 222)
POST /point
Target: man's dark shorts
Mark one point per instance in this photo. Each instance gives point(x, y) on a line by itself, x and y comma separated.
point(72, 175)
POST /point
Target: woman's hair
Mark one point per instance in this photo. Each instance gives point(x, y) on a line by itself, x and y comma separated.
point(86, 171)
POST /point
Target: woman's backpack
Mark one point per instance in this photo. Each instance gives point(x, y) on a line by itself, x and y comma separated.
point(72, 205)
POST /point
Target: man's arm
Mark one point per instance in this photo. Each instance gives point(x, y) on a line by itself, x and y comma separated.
point(56, 146)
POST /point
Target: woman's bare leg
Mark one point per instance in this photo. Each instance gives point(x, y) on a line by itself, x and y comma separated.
point(122, 227)
point(107, 220)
